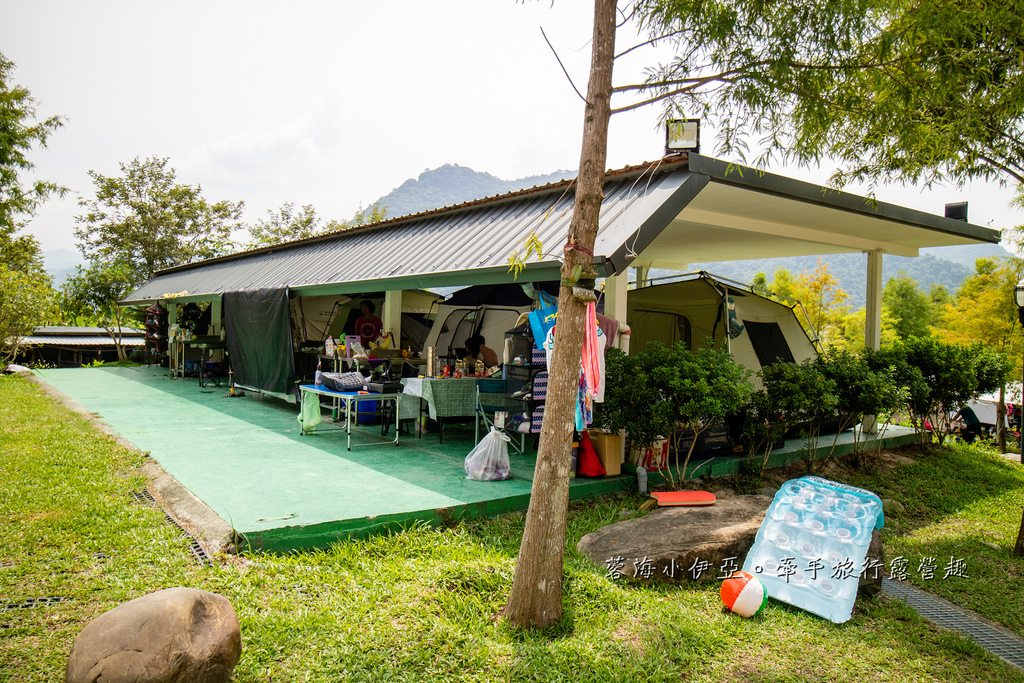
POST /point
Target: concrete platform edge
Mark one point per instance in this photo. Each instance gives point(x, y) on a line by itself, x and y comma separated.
point(210, 531)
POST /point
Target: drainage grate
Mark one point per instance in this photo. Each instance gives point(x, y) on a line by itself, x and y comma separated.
point(144, 497)
point(1007, 647)
point(34, 602)
point(193, 547)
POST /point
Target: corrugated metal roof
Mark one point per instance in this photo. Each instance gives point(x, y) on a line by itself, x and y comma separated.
point(476, 236)
point(644, 208)
point(85, 340)
point(52, 330)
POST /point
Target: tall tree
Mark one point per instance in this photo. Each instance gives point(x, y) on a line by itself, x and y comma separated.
point(774, 69)
point(20, 132)
point(283, 225)
point(986, 311)
point(536, 596)
point(287, 224)
point(95, 292)
point(918, 91)
point(147, 219)
point(938, 297)
point(822, 298)
point(25, 293)
point(910, 308)
point(850, 331)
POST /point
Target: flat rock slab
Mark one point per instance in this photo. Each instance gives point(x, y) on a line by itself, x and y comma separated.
point(707, 543)
point(177, 634)
point(679, 543)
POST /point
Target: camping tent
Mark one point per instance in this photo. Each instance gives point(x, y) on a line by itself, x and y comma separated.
point(489, 310)
point(758, 330)
point(314, 317)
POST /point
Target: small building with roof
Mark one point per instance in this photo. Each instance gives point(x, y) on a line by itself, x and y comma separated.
point(72, 347)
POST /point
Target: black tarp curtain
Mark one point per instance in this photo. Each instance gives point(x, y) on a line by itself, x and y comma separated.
point(259, 337)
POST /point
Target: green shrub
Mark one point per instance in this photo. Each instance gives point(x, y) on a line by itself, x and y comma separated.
point(939, 378)
point(792, 395)
point(671, 392)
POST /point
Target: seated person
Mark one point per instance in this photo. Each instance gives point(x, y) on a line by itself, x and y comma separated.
point(478, 350)
point(368, 326)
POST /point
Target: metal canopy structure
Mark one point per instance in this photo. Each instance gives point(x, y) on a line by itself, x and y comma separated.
point(669, 214)
point(723, 212)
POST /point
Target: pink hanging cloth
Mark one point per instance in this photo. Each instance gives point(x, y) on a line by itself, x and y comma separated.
point(591, 348)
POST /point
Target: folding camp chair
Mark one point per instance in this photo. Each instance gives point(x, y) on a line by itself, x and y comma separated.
point(490, 398)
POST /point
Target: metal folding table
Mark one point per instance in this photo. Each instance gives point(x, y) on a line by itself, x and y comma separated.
point(349, 402)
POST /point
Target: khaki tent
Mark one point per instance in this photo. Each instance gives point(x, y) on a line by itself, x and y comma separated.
point(758, 330)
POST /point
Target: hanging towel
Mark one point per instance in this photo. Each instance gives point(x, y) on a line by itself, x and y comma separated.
point(609, 326)
point(591, 350)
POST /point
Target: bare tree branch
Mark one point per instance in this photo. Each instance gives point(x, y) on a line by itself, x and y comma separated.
point(560, 64)
point(652, 41)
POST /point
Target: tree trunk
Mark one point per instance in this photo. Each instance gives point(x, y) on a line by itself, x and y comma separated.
point(536, 596)
point(1018, 548)
point(1001, 420)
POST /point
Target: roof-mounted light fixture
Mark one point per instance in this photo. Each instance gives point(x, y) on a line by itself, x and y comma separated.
point(682, 135)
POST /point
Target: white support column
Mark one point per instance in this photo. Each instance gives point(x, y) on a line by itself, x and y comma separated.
point(642, 273)
point(393, 314)
point(216, 315)
point(217, 322)
point(615, 296)
point(615, 289)
point(873, 317)
point(873, 320)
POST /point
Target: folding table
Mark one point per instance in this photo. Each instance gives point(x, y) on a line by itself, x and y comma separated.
point(348, 401)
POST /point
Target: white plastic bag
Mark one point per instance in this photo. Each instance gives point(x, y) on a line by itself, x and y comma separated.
point(488, 461)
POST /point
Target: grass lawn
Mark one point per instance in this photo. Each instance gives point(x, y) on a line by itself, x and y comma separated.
point(421, 605)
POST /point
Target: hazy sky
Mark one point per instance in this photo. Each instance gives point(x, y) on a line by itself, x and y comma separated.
point(332, 104)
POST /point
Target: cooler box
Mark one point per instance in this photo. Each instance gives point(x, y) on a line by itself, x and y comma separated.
point(609, 450)
point(366, 412)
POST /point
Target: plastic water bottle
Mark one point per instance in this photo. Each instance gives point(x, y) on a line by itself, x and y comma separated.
point(318, 378)
point(641, 480)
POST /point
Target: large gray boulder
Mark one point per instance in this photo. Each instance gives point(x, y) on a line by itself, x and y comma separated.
point(679, 543)
point(874, 567)
point(177, 634)
point(705, 543)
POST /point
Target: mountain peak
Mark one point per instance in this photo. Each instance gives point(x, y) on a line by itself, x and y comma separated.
point(453, 184)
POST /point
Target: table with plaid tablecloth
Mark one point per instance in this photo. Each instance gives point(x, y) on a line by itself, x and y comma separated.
point(444, 397)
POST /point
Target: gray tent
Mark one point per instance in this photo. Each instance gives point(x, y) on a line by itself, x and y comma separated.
point(758, 330)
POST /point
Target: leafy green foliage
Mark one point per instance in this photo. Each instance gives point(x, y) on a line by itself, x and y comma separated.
point(20, 132)
point(792, 395)
point(860, 391)
point(939, 378)
point(633, 395)
point(992, 369)
point(671, 392)
point(147, 219)
point(26, 298)
point(95, 291)
point(985, 308)
point(286, 224)
point(912, 91)
point(909, 307)
point(26, 301)
point(707, 386)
